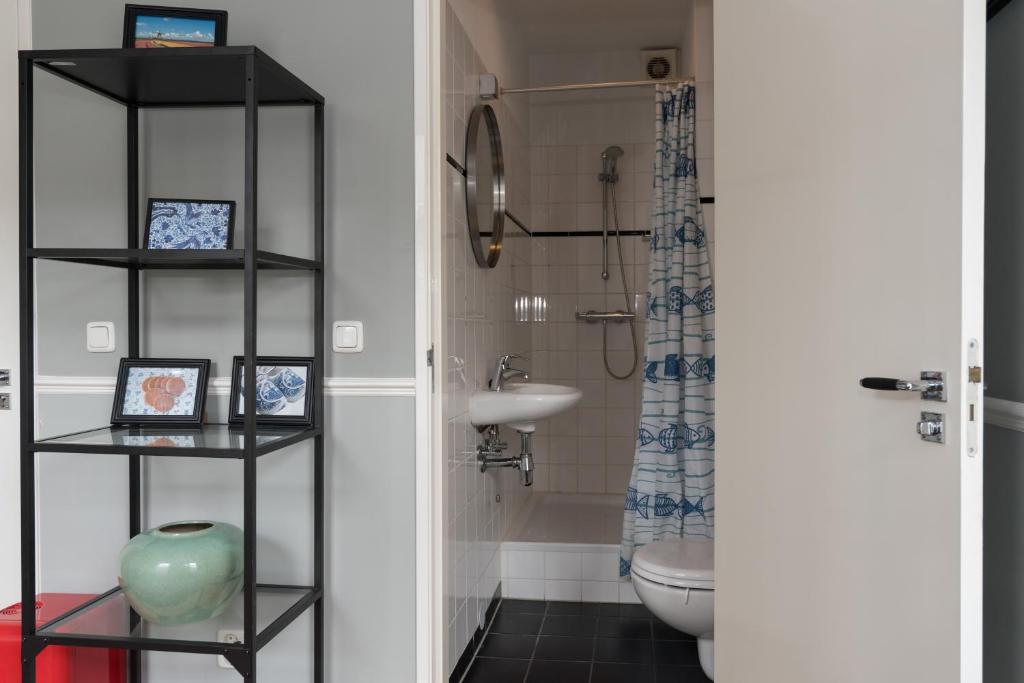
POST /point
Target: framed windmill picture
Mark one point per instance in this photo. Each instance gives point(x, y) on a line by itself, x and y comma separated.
point(147, 26)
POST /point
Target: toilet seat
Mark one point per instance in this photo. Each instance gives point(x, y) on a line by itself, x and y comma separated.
point(677, 562)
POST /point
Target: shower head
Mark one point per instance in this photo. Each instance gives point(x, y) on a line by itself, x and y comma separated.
point(609, 156)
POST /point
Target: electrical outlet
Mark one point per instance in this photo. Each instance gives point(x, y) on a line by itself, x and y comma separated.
point(231, 636)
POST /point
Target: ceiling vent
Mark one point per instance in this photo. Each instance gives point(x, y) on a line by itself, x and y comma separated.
point(660, 65)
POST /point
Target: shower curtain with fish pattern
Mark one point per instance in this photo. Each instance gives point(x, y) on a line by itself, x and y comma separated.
point(672, 488)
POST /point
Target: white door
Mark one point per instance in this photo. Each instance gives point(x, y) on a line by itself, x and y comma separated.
point(849, 180)
point(14, 22)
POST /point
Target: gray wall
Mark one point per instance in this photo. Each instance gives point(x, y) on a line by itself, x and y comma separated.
point(359, 56)
point(1004, 345)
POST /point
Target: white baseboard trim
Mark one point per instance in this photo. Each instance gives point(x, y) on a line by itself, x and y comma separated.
point(1006, 414)
point(68, 385)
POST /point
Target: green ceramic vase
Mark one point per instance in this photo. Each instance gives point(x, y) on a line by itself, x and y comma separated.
point(182, 572)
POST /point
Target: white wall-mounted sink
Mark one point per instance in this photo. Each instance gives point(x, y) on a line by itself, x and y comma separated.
point(520, 405)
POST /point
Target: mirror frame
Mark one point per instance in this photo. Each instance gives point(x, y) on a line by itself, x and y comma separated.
point(484, 112)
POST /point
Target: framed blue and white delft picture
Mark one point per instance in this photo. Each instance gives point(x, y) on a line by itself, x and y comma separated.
point(284, 391)
point(189, 224)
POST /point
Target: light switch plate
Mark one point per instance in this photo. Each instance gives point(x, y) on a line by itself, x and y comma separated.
point(99, 337)
point(347, 336)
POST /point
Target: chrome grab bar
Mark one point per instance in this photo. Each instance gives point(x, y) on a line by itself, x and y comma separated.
point(602, 316)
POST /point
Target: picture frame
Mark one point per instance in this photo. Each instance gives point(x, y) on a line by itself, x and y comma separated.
point(160, 391)
point(185, 27)
point(287, 388)
point(202, 224)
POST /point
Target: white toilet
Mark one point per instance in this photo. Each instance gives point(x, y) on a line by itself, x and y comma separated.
point(675, 579)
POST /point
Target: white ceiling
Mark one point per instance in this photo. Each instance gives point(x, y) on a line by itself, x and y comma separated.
point(587, 25)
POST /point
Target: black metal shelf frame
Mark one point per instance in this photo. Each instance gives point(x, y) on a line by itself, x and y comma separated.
point(241, 76)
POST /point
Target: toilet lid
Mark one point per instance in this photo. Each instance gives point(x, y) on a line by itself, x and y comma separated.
point(683, 562)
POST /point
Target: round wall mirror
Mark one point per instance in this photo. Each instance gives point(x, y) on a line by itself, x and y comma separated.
point(485, 186)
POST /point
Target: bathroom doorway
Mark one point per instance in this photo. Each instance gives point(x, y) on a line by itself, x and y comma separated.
point(534, 576)
point(568, 295)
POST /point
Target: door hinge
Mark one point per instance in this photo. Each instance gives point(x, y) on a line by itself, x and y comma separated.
point(974, 374)
point(430, 364)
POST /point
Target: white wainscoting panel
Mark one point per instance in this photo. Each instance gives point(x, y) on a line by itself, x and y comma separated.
point(221, 386)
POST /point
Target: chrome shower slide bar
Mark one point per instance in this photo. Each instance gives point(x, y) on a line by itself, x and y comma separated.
point(605, 316)
point(593, 86)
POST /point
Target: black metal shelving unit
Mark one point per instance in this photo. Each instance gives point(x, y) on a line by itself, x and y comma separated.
point(140, 79)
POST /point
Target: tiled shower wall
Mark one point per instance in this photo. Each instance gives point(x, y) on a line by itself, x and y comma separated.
point(481, 323)
point(590, 449)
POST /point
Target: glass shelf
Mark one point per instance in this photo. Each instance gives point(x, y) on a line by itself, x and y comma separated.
point(207, 441)
point(109, 621)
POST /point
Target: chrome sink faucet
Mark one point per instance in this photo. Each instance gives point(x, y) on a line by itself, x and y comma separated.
point(504, 371)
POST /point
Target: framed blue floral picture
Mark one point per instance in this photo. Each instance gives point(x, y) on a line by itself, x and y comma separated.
point(189, 224)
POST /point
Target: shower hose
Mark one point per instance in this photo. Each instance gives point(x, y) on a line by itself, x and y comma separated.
point(609, 192)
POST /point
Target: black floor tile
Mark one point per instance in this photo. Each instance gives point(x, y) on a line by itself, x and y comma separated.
point(624, 627)
point(512, 622)
point(583, 643)
point(663, 631)
point(523, 606)
point(679, 674)
point(486, 670)
point(508, 646)
point(565, 648)
point(558, 672)
point(588, 608)
point(569, 625)
point(676, 653)
point(623, 651)
point(605, 672)
point(634, 610)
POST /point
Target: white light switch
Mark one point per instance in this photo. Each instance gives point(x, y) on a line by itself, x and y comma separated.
point(99, 337)
point(348, 336)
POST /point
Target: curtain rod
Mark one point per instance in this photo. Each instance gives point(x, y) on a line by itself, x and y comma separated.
point(593, 86)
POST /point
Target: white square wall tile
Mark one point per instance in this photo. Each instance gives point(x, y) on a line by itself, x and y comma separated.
point(591, 479)
point(523, 589)
point(524, 564)
point(627, 594)
point(563, 566)
point(617, 478)
point(704, 140)
point(538, 160)
point(562, 188)
point(562, 159)
point(599, 567)
point(600, 591)
point(706, 177)
point(569, 591)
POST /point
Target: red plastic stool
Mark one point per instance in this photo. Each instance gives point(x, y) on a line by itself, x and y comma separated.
point(56, 664)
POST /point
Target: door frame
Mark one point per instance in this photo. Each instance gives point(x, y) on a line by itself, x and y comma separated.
point(972, 489)
point(427, 53)
point(17, 35)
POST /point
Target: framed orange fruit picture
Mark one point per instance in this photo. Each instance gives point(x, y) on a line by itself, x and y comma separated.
point(160, 391)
